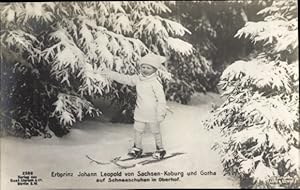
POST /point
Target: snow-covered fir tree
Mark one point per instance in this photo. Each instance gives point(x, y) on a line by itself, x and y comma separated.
point(52, 54)
point(213, 25)
point(260, 118)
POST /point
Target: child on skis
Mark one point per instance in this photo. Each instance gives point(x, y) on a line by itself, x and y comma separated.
point(150, 107)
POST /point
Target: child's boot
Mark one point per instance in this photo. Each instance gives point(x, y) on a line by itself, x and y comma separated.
point(159, 154)
point(135, 152)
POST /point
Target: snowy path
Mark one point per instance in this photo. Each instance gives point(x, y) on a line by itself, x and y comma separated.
point(182, 132)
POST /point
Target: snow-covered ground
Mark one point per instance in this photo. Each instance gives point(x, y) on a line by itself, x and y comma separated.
point(182, 131)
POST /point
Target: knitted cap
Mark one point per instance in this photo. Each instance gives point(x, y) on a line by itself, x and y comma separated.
point(153, 60)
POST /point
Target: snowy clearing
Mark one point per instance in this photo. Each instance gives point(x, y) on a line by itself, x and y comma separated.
point(182, 131)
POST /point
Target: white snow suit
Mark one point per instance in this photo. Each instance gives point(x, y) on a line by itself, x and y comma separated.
point(150, 107)
point(151, 102)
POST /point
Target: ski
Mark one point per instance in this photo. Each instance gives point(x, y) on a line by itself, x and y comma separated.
point(145, 162)
point(127, 158)
point(123, 166)
point(119, 158)
point(96, 161)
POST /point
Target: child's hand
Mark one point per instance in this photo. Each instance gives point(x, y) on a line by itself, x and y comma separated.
point(161, 118)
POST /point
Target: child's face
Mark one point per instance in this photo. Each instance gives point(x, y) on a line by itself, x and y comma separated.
point(147, 70)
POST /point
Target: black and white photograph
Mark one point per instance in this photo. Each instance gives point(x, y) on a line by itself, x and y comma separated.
point(149, 94)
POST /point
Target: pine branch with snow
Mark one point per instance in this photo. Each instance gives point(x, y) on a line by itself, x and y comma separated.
point(66, 46)
point(260, 117)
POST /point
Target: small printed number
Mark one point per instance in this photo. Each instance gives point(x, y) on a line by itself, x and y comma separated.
point(27, 173)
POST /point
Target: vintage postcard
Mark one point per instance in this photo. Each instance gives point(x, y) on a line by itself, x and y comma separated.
point(149, 94)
